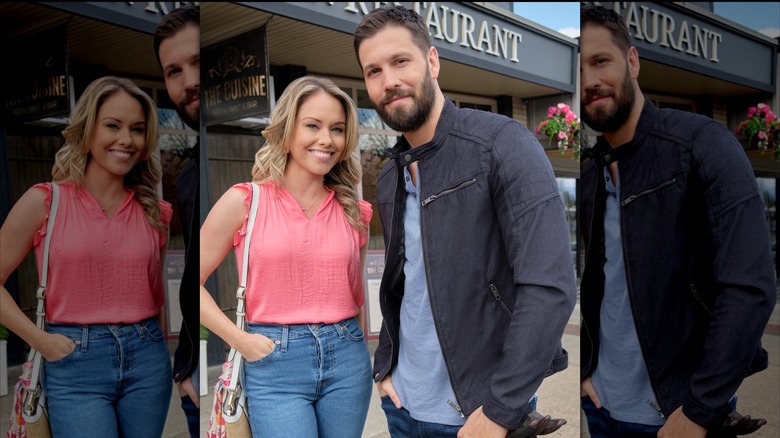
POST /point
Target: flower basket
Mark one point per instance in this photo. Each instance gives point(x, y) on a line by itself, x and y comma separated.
point(562, 126)
point(762, 130)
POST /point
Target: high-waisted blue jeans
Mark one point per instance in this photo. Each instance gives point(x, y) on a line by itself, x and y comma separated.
point(315, 383)
point(116, 382)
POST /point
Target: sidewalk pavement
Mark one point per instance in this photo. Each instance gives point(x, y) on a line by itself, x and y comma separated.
point(558, 395)
point(759, 395)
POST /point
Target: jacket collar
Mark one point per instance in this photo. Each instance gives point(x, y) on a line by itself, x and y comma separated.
point(408, 154)
point(603, 154)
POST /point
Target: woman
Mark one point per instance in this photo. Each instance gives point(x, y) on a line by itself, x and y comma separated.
point(107, 369)
point(308, 371)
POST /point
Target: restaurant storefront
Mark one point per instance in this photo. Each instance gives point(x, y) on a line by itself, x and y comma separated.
point(491, 59)
point(53, 50)
point(695, 60)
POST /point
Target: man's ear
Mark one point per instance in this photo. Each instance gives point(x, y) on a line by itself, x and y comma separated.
point(433, 62)
point(633, 62)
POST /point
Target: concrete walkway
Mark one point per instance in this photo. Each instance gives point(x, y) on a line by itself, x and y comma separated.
point(759, 395)
point(558, 395)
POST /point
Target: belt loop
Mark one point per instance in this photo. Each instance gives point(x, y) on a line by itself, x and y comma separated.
point(285, 336)
point(340, 328)
point(84, 337)
point(140, 329)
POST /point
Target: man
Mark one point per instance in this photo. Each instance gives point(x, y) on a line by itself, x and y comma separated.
point(478, 282)
point(177, 46)
point(678, 283)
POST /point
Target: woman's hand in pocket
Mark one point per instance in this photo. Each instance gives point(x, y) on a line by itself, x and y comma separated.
point(254, 346)
point(55, 346)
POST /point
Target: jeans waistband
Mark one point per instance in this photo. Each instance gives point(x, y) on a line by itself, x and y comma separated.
point(85, 332)
point(285, 332)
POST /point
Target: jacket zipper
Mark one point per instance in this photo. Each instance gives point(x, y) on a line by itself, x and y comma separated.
point(498, 298)
point(627, 269)
point(459, 186)
point(456, 407)
point(393, 239)
point(599, 176)
point(698, 298)
point(633, 198)
point(428, 284)
point(590, 357)
point(656, 407)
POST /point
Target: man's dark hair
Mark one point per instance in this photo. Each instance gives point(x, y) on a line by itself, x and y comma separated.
point(172, 23)
point(380, 18)
point(596, 15)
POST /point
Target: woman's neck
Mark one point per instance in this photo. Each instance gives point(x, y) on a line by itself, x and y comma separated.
point(303, 186)
point(103, 185)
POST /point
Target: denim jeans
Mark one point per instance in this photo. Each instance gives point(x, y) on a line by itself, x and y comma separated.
point(315, 383)
point(602, 425)
point(401, 424)
point(116, 382)
point(193, 415)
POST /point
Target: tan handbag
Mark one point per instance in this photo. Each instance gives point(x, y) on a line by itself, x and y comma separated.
point(229, 416)
point(29, 415)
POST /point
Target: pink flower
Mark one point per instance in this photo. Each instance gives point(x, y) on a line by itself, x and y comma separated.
point(551, 111)
point(561, 135)
point(770, 117)
point(761, 135)
point(752, 111)
point(537, 131)
point(570, 116)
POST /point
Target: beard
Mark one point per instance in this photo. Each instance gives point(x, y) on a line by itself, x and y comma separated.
point(611, 119)
point(407, 120)
point(190, 119)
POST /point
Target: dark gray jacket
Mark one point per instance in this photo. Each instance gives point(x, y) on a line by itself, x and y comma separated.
point(696, 251)
point(497, 259)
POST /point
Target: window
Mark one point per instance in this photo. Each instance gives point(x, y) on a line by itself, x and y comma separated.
point(176, 139)
point(768, 189)
point(673, 103)
point(568, 189)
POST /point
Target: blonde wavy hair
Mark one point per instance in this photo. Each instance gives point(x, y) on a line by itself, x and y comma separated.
point(271, 159)
point(71, 160)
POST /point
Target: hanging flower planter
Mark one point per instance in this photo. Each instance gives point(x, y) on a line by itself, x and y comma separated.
point(762, 130)
point(562, 126)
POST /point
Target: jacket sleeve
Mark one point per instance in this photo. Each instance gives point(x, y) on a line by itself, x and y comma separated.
point(532, 219)
point(743, 276)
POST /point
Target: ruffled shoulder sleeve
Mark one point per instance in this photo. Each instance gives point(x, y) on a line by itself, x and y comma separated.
point(41, 233)
point(366, 211)
point(247, 189)
point(166, 211)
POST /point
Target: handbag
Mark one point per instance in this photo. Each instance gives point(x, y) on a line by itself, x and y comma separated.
point(229, 416)
point(29, 414)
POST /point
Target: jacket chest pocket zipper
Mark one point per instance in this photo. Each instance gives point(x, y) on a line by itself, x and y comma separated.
point(697, 296)
point(498, 298)
point(633, 198)
point(459, 186)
